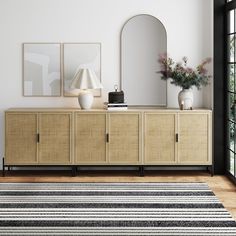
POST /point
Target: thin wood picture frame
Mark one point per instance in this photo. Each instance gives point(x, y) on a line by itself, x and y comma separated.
point(41, 69)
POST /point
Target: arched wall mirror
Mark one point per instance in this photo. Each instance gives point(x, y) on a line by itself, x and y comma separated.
point(143, 39)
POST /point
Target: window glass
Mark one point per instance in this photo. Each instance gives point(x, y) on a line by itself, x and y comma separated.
point(231, 23)
point(231, 81)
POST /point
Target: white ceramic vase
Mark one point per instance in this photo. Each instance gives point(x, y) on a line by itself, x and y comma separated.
point(185, 99)
point(85, 99)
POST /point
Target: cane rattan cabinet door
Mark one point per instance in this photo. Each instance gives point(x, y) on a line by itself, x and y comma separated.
point(55, 138)
point(194, 146)
point(124, 138)
point(90, 138)
point(21, 138)
point(159, 138)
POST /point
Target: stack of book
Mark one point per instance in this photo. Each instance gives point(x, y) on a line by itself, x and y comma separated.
point(116, 106)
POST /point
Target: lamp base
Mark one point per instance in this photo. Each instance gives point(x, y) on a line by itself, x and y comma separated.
point(85, 99)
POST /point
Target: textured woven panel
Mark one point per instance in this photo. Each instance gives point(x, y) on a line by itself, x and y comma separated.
point(193, 138)
point(90, 138)
point(21, 134)
point(124, 138)
point(54, 145)
point(159, 138)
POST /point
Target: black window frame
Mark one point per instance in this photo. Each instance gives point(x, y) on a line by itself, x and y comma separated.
point(229, 105)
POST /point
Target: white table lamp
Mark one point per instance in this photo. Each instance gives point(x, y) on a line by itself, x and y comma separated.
point(85, 79)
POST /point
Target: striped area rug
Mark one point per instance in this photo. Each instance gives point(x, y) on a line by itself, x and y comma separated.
point(112, 209)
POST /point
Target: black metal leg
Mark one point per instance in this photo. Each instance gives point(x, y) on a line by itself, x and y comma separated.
point(73, 171)
point(141, 171)
point(77, 170)
point(212, 170)
point(8, 168)
point(3, 167)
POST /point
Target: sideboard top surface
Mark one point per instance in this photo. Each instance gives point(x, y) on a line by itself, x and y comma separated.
point(141, 109)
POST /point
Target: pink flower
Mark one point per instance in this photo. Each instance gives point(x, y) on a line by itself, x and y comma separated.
point(189, 70)
point(203, 70)
point(162, 57)
point(208, 60)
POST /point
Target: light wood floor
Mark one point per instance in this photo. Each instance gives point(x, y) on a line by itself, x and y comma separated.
point(223, 188)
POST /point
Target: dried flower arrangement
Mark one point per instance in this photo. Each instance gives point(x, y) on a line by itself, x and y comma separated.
point(182, 75)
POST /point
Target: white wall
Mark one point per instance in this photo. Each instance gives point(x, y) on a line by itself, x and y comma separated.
point(189, 25)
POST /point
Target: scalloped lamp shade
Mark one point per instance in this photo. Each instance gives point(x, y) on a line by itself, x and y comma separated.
point(85, 79)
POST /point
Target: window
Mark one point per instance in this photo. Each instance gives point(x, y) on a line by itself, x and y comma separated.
point(231, 88)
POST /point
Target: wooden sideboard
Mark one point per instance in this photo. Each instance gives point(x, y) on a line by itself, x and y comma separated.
point(136, 137)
